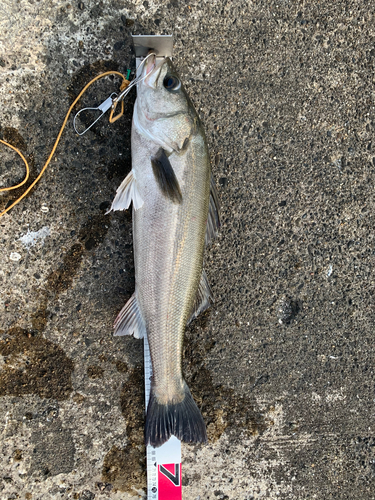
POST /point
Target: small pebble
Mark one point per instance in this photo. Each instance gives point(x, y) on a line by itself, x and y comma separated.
point(15, 256)
point(287, 310)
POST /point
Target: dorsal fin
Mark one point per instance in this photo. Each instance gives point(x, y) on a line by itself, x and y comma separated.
point(213, 220)
point(165, 176)
point(203, 298)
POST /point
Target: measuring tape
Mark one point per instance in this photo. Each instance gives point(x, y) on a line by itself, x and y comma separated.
point(164, 462)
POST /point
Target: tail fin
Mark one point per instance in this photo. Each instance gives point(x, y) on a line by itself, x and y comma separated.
point(183, 420)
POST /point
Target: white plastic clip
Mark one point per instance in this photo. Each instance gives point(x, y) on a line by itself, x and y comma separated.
point(104, 107)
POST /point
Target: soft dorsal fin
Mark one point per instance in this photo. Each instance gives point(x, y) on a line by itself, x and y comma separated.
point(213, 220)
point(165, 176)
point(203, 298)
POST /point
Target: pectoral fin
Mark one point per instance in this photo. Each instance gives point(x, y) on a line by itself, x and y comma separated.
point(203, 299)
point(213, 220)
point(126, 193)
point(165, 176)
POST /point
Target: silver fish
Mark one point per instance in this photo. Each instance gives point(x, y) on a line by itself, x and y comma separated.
point(175, 211)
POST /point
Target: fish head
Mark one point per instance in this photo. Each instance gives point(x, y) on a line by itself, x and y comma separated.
point(164, 111)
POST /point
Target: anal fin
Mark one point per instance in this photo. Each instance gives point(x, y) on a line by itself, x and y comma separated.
point(203, 299)
point(130, 320)
point(213, 220)
point(126, 193)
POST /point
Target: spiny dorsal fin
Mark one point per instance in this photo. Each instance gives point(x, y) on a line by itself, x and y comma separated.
point(165, 176)
point(213, 220)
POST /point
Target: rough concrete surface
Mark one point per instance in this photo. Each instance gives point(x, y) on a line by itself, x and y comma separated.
point(282, 365)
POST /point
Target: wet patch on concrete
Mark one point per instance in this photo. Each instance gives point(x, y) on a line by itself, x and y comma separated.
point(118, 169)
point(223, 410)
point(40, 317)
point(13, 137)
point(133, 406)
point(91, 234)
point(93, 231)
point(95, 372)
point(62, 278)
point(125, 468)
point(34, 365)
point(121, 367)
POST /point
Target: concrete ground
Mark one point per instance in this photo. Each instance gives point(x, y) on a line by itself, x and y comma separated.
point(282, 366)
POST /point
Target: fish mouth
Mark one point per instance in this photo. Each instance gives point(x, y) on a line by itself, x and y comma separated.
point(152, 70)
point(151, 62)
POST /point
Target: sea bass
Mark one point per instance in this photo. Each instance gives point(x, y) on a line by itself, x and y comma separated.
point(175, 211)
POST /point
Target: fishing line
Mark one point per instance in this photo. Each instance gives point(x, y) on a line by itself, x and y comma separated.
point(125, 88)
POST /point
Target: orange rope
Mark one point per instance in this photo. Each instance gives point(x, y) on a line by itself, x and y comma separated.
point(27, 169)
point(123, 86)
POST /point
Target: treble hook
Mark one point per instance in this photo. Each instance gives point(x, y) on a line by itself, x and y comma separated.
point(104, 107)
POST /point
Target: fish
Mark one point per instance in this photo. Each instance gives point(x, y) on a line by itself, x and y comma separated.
point(175, 214)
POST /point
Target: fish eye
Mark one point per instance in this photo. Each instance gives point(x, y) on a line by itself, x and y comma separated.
point(171, 82)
